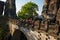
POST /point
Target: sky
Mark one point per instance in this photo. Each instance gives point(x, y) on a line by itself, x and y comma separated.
point(20, 3)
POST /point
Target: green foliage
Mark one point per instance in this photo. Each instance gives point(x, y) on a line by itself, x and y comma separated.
point(1, 33)
point(28, 10)
point(3, 27)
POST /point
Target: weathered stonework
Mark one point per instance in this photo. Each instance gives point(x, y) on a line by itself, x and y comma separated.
point(51, 12)
point(1, 7)
point(10, 8)
point(9, 12)
point(50, 25)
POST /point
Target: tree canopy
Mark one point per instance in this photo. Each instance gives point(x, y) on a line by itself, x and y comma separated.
point(28, 10)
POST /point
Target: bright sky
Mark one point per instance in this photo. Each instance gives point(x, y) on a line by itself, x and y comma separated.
point(20, 3)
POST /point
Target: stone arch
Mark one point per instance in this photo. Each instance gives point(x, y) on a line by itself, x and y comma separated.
point(28, 33)
point(19, 35)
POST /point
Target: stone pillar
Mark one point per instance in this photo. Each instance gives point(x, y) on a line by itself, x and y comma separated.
point(45, 8)
point(10, 8)
point(1, 7)
point(50, 9)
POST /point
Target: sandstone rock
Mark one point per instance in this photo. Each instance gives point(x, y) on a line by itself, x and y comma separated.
point(10, 8)
point(1, 7)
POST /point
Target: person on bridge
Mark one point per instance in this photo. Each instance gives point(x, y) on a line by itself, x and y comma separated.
point(30, 22)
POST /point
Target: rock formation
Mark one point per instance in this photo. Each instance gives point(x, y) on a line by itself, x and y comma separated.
point(50, 24)
point(51, 14)
point(10, 8)
point(1, 7)
point(9, 11)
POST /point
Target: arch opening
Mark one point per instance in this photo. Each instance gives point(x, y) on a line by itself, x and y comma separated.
point(19, 35)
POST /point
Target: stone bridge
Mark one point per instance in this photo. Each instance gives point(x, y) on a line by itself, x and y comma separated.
point(34, 35)
point(22, 33)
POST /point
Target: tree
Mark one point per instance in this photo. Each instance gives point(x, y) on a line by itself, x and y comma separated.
point(29, 10)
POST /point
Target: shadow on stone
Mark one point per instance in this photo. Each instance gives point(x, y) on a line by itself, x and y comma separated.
point(18, 35)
